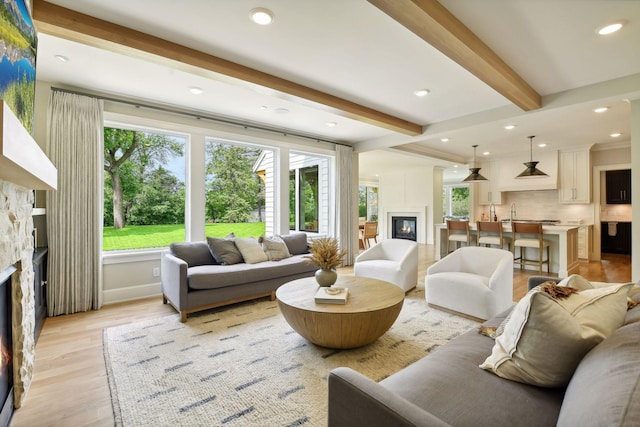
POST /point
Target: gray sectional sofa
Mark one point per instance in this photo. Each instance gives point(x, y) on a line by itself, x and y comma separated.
point(192, 280)
point(448, 388)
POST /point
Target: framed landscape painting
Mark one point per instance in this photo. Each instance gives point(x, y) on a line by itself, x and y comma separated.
point(18, 46)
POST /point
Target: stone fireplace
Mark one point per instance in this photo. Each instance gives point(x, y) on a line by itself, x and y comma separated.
point(405, 223)
point(23, 168)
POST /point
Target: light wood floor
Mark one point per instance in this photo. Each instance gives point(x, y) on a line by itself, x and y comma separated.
point(69, 386)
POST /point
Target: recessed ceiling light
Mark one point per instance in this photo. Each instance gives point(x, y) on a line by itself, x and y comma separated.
point(281, 110)
point(455, 166)
point(445, 140)
point(261, 16)
point(421, 92)
point(196, 90)
point(615, 135)
point(486, 153)
point(611, 28)
point(62, 58)
point(509, 127)
point(542, 145)
point(264, 107)
point(332, 124)
point(600, 109)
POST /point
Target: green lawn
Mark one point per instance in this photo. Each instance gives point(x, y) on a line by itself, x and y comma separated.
point(157, 236)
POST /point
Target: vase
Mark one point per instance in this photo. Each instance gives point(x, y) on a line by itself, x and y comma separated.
point(326, 277)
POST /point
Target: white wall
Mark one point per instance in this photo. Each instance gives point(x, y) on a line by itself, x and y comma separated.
point(407, 191)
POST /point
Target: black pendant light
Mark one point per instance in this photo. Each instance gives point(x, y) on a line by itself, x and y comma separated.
point(531, 171)
point(474, 175)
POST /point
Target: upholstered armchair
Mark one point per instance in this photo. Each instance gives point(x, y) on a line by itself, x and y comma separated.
point(391, 260)
point(475, 281)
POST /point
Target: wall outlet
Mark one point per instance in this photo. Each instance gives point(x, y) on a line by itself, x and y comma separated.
point(156, 272)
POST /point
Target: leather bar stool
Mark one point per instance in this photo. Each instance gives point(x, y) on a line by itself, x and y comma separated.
point(490, 233)
point(529, 235)
point(458, 232)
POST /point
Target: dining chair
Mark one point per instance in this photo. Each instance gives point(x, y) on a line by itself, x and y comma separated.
point(370, 231)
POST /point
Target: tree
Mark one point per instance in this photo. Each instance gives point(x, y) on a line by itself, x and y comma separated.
point(160, 200)
point(128, 156)
point(234, 190)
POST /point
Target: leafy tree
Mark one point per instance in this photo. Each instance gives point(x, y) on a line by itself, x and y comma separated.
point(460, 201)
point(160, 200)
point(128, 156)
point(234, 190)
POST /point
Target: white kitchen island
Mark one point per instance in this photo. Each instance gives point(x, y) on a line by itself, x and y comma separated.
point(563, 250)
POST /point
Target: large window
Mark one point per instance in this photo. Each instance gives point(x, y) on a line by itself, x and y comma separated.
point(308, 193)
point(368, 203)
point(236, 179)
point(455, 200)
point(144, 193)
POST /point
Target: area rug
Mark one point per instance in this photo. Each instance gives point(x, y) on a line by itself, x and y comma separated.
point(245, 366)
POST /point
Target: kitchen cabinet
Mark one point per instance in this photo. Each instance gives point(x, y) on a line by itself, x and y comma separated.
point(585, 233)
point(618, 185)
point(575, 176)
point(615, 238)
point(487, 191)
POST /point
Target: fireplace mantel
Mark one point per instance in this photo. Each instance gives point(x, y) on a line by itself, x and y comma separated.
point(22, 161)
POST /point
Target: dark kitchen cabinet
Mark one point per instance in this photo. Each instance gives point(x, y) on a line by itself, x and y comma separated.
point(616, 239)
point(618, 184)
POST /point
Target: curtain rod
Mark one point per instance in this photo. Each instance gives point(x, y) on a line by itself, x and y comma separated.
point(201, 116)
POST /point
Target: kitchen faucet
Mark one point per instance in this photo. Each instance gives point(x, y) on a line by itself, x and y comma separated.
point(512, 213)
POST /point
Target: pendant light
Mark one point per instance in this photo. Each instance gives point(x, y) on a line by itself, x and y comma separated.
point(474, 175)
point(531, 171)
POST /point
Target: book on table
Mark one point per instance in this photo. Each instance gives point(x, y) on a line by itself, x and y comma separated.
point(331, 295)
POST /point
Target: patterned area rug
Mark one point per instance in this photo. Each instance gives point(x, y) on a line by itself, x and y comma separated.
point(244, 366)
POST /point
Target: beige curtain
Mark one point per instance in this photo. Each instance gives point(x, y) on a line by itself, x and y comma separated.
point(74, 211)
point(346, 203)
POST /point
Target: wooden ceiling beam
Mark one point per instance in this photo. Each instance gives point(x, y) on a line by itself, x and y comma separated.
point(432, 22)
point(71, 25)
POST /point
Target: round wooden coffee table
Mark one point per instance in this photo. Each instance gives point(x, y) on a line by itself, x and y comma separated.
point(371, 309)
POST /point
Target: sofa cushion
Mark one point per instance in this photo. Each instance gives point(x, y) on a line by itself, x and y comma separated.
point(275, 248)
point(605, 388)
point(220, 276)
point(296, 243)
point(224, 251)
point(448, 384)
point(193, 253)
point(545, 338)
point(251, 250)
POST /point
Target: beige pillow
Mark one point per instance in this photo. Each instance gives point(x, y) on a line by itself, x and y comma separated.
point(251, 250)
point(275, 248)
point(545, 338)
point(578, 282)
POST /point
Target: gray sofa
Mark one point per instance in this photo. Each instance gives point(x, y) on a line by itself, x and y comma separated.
point(448, 388)
point(192, 280)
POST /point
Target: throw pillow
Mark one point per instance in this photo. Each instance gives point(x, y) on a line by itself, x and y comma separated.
point(578, 282)
point(546, 337)
point(251, 250)
point(275, 248)
point(296, 243)
point(193, 253)
point(224, 251)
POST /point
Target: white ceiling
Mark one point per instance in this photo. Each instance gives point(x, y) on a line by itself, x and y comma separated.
point(350, 49)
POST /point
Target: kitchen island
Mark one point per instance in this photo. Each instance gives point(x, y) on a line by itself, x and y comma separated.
point(563, 245)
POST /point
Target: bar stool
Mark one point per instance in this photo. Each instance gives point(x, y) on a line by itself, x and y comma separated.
point(458, 232)
point(529, 235)
point(490, 233)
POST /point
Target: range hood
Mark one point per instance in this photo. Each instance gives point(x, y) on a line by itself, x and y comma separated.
point(22, 161)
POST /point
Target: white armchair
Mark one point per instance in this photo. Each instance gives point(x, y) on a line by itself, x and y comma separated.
point(392, 260)
point(475, 281)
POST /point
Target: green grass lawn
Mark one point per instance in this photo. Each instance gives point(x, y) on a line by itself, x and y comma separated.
point(157, 236)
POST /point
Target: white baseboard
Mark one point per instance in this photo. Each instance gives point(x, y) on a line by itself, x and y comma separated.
point(112, 296)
